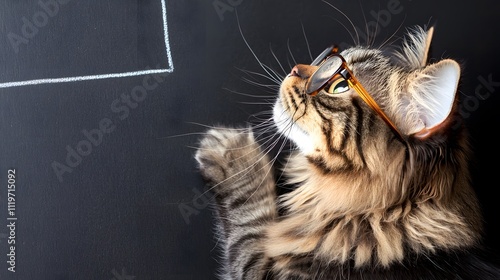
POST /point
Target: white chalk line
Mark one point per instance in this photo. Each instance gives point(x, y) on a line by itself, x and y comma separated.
point(105, 76)
point(83, 78)
point(165, 34)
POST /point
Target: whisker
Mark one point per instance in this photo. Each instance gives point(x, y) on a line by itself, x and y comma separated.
point(290, 124)
point(270, 86)
point(348, 19)
point(376, 27)
point(255, 103)
point(367, 30)
point(307, 42)
point(290, 51)
point(345, 27)
point(214, 126)
point(270, 163)
point(276, 58)
point(250, 73)
point(393, 35)
point(248, 94)
point(181, 135)
point(264, 67)
point(278, 77)
point(289, 63)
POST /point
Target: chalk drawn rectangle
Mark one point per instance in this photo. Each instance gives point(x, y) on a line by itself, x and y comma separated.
point(76, 78)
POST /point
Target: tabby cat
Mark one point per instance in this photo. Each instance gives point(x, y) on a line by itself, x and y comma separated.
point(382, 187)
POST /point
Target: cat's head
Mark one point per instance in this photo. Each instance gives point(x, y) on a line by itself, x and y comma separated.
point(340, 133)
point(417, 97)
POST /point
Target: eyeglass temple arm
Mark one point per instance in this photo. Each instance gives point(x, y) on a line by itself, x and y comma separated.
point(353, 83)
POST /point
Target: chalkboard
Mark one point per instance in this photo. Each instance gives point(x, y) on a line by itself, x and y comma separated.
point(102, 102)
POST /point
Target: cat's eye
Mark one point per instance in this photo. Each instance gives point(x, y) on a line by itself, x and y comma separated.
point(333, 75)
point(337, 86)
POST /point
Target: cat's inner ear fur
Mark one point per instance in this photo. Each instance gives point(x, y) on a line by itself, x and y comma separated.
point(431, 93)
point(431, 89)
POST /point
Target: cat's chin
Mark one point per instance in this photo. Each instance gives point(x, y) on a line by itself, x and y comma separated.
point(288, 128)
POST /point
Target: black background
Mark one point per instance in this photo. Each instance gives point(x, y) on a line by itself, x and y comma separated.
point(118, 213)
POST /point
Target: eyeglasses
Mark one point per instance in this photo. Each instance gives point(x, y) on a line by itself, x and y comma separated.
point(332, 66)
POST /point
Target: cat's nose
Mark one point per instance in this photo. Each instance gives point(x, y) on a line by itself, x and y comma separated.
point(303, 71)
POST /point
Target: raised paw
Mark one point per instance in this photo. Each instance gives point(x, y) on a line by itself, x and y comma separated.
point(227, 155)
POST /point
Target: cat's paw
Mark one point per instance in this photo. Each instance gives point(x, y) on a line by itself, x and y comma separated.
point(226, 155)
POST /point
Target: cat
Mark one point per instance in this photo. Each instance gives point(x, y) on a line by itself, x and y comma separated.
point(382, 189)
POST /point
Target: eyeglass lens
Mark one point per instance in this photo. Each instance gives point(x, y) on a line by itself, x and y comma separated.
point(327, 70)
point(323, 55)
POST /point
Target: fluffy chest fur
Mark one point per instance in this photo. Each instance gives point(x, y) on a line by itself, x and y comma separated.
point(348, 218)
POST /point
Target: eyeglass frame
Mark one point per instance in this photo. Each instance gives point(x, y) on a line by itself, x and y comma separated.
point(344, 71)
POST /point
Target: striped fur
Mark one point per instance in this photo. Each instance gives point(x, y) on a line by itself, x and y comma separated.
point(368, 205)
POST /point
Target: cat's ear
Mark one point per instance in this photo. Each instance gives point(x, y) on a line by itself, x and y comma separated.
point(426, 47)
point(432, 95)
point(414, 53)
